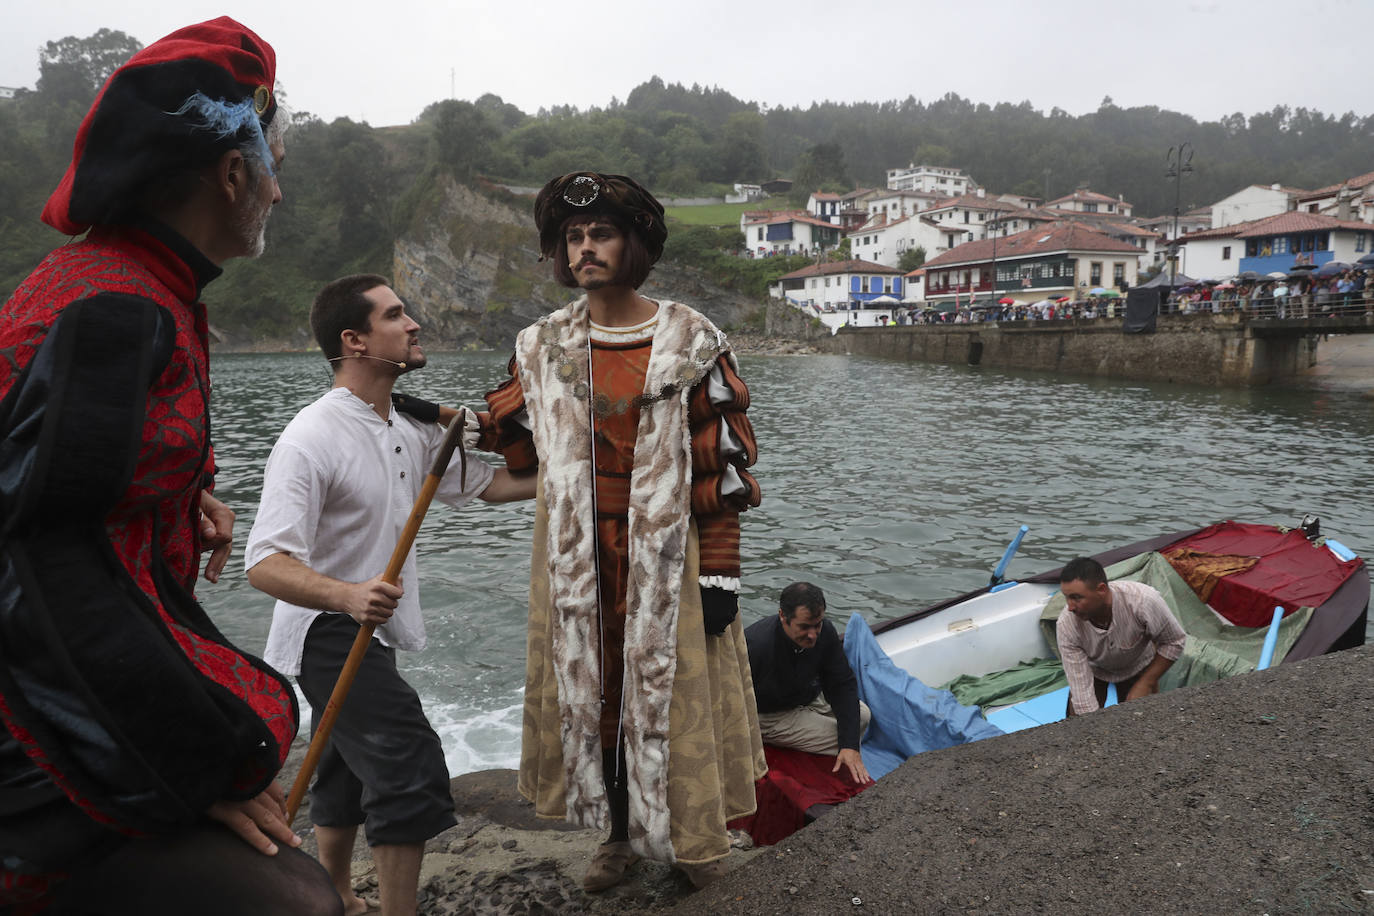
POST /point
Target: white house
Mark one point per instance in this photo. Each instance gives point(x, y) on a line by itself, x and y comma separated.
point(915, 287)
point(851, 292)
point(7, 92)
point(1064, 259)
point(1255, 202)
point(1084, 201)
point(1014, 221)
point(969, 211)
point(824, 205)
point(1192, 221)
point(745, 193)
point(885, 241)
point(786, 232)
point(896, 204)
point(1352, 199)
point(938, 179)
point(1273, 243)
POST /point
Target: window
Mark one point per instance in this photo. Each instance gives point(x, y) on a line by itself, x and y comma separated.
point(1119, 272)
point(1226, 252)
point(1095, 273)
point(827, 282)
point(1251, 248)
point(1090, 208)
point(760, 233)
point(1359, 241)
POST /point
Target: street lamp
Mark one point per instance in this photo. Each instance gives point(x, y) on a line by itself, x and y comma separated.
point(1178, 163)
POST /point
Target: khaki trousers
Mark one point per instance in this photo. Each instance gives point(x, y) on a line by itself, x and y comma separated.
point(810, 728)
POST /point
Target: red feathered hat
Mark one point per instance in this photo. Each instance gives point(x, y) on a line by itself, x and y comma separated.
point(134, 133)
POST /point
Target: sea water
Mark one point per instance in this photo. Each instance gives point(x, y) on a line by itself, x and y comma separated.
point(890, 485)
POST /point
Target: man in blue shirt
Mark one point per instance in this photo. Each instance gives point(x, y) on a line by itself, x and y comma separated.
point(807, 696)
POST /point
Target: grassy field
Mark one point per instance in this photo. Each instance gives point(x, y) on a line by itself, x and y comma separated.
point(722, 214)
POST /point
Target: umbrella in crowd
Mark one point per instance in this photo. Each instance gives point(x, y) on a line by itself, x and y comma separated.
point(1331, 268)
point(1367, 260)
point(1227, 285)
point(1006, 300)
point(1184, 289)
point(1111, 293)
point(1277, 275)
point(1249, 275)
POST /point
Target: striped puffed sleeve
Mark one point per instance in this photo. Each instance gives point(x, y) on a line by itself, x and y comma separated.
point(506, 426)
point(723, 447)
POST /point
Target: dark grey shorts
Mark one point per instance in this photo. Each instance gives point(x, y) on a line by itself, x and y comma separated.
point(384, 765)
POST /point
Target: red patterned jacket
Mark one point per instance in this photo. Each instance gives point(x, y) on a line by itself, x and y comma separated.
point(122, 701)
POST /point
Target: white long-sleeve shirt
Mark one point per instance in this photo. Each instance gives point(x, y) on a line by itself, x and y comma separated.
point(337, 491)
point(1142, 625)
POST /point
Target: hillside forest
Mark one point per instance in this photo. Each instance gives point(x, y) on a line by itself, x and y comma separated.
point(351, 189)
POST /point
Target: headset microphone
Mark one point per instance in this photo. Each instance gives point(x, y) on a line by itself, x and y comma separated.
point(396, 363)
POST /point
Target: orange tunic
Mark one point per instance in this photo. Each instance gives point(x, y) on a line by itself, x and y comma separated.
point(618, 372)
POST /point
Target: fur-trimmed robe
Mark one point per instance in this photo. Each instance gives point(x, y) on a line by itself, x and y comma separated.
point(692, 744)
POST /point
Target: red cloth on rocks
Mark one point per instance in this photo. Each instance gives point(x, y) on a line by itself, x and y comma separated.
point(795, 781)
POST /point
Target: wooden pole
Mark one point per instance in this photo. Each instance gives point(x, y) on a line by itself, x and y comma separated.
point(360, 643)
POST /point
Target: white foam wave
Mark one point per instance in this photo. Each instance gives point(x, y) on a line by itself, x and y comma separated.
point(474, 739)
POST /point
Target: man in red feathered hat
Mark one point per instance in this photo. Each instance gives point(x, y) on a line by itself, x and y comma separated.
point(639, 708)
point(140, 748)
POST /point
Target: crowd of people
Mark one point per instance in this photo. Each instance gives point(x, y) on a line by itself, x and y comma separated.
point(1297, 295)
point(1300, 294)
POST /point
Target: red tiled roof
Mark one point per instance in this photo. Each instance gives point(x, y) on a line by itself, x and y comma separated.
point(852, 266)
point(1111, 226)
point(1359, 181)
point(974, 202)
point(1086, 195)
point(1066, 236)
point(1279, 224)
point(790, 216)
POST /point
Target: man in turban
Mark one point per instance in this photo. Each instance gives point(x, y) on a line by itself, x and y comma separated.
point(639, 709)
point(134, 732)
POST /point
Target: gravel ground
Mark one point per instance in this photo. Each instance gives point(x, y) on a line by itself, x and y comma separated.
point(1252, 795)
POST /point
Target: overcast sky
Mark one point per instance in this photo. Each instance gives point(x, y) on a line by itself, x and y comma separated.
point(383, 61)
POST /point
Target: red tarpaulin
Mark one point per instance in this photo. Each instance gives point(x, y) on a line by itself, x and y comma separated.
point(1292, 572)
point(795, 781)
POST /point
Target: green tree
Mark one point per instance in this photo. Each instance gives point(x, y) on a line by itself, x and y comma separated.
point(911, 259)
point(463, 136)
point(73, 69)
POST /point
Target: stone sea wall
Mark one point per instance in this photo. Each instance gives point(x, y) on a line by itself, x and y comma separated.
point(1200, 349)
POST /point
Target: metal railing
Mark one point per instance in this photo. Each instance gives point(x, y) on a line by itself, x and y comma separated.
point(1303, 307)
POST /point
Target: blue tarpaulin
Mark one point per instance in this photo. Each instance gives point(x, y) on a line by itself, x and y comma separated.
point(908, 716)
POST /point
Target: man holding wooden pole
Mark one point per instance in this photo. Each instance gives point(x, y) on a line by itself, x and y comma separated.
point(337, 493)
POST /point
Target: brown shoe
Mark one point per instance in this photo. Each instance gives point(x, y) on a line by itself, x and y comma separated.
point(705, 873)
point(607, 868)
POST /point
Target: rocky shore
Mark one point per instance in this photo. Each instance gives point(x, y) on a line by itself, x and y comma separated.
point(1252, 795)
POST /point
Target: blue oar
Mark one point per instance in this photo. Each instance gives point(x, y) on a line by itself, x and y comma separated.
point(997, 582)
point(1271, 639)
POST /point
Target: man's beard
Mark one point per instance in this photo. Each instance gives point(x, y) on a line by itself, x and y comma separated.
point(250, 225)
point(251, 230)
